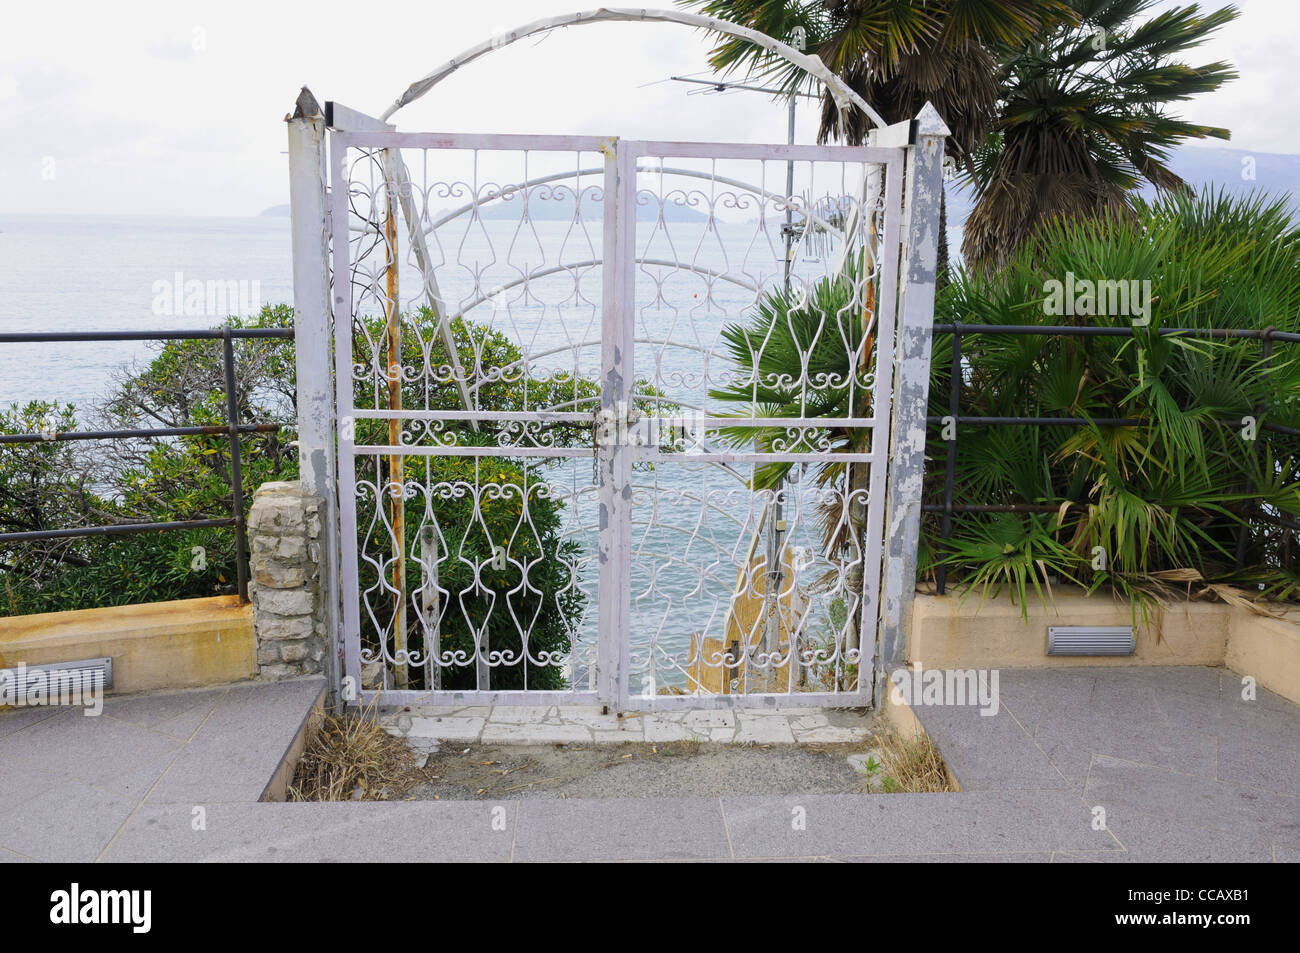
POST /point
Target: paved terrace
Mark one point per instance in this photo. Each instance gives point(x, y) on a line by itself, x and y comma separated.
point(1185, 770)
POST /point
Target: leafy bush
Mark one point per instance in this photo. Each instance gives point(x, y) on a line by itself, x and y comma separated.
point(1174, 498)
point(63, 485)
point(50, 485)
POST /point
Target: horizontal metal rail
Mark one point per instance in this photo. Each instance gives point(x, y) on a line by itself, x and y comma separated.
point(117, 529)
point(1072, 330)
point(232, 429)
point(196, 334)
point(959, 330)
point(1053, 508)
point(133, 434)
point(1084, 421)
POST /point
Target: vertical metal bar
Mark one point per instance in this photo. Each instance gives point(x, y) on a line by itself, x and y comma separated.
point(431, 608)
point(236, 470)
point(1243, 532)
point(396, 462)
point(911, 390)
point(887, 259)
point(429, 279)
point(309, 215)
point(614, 456)
point(341, 292)
point(776, 520)
point(950, 466)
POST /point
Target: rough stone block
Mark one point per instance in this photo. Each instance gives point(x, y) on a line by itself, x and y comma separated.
point(293, 651)
point(279, 576)
point(289, 602)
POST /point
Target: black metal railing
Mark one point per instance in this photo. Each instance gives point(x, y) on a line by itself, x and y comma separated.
point(957, 329)
point(232, 428)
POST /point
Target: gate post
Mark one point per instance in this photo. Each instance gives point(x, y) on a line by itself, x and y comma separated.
point(922, 187)
point(613, 455)
point(312, 352)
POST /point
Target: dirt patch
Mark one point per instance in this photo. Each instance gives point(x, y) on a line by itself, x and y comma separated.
point(676, 769)
point(352, 758)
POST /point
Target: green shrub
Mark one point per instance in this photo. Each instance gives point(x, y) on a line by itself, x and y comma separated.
point(1165, 500)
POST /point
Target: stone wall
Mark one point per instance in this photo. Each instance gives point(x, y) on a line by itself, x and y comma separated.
point(284, 534)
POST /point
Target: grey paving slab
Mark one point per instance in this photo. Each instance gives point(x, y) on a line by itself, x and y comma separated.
point(1199, 680)
point(992, 857)
point(17, 719)
point(20, 780)
point(621, 829)
point(989, 752)
point(10, 857)
point(99, 751)
point(859, 825)
point(1071, 745)
point(1266, 727)
point(1231, 690)
point(236, 751)
point(405, 832)
point(1256, 765)
point(1088, 856)
point(1184, 768)
point(1033, 695)
point(1286, 855)
point(1192, 801)
point(178, 714)
point(71, 822)
point(1149, 839)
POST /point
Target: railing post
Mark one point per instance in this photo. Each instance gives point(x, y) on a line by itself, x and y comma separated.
point(950, 464)
point(922, 188)
point(312, 350)
point(1243, 533)
point(236, 467)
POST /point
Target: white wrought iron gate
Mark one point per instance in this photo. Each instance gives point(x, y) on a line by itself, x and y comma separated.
point(613, 417)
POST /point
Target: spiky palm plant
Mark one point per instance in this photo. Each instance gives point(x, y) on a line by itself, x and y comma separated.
point(804, 355)
point(1086, 117)
point(1183, 495)
point(807, 353)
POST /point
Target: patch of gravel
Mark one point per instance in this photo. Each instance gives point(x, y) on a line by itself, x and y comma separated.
point(674, 769)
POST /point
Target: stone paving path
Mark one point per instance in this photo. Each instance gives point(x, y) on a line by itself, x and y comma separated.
point(71, 784)
point(541, 724)
point(1183, 768)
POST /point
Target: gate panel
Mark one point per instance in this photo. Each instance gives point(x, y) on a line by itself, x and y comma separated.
point(466, 465)
point(601, 437)
point(762, 299)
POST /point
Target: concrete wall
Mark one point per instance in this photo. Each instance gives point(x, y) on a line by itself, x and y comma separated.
point(949, 633)
point(181, 644)
point(1268, 649)
point(192, 642)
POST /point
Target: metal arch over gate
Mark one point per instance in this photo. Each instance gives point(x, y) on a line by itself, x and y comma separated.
point(613, 416)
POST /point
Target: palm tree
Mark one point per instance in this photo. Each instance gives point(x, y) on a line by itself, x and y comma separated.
point(1085, 119)
point(897, 56)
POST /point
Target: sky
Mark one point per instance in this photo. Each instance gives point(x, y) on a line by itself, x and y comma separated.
point(177, 107)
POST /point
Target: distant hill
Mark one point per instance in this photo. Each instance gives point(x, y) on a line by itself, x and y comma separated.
point(1275, 173)
point(545, 207)
point(275, 211)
